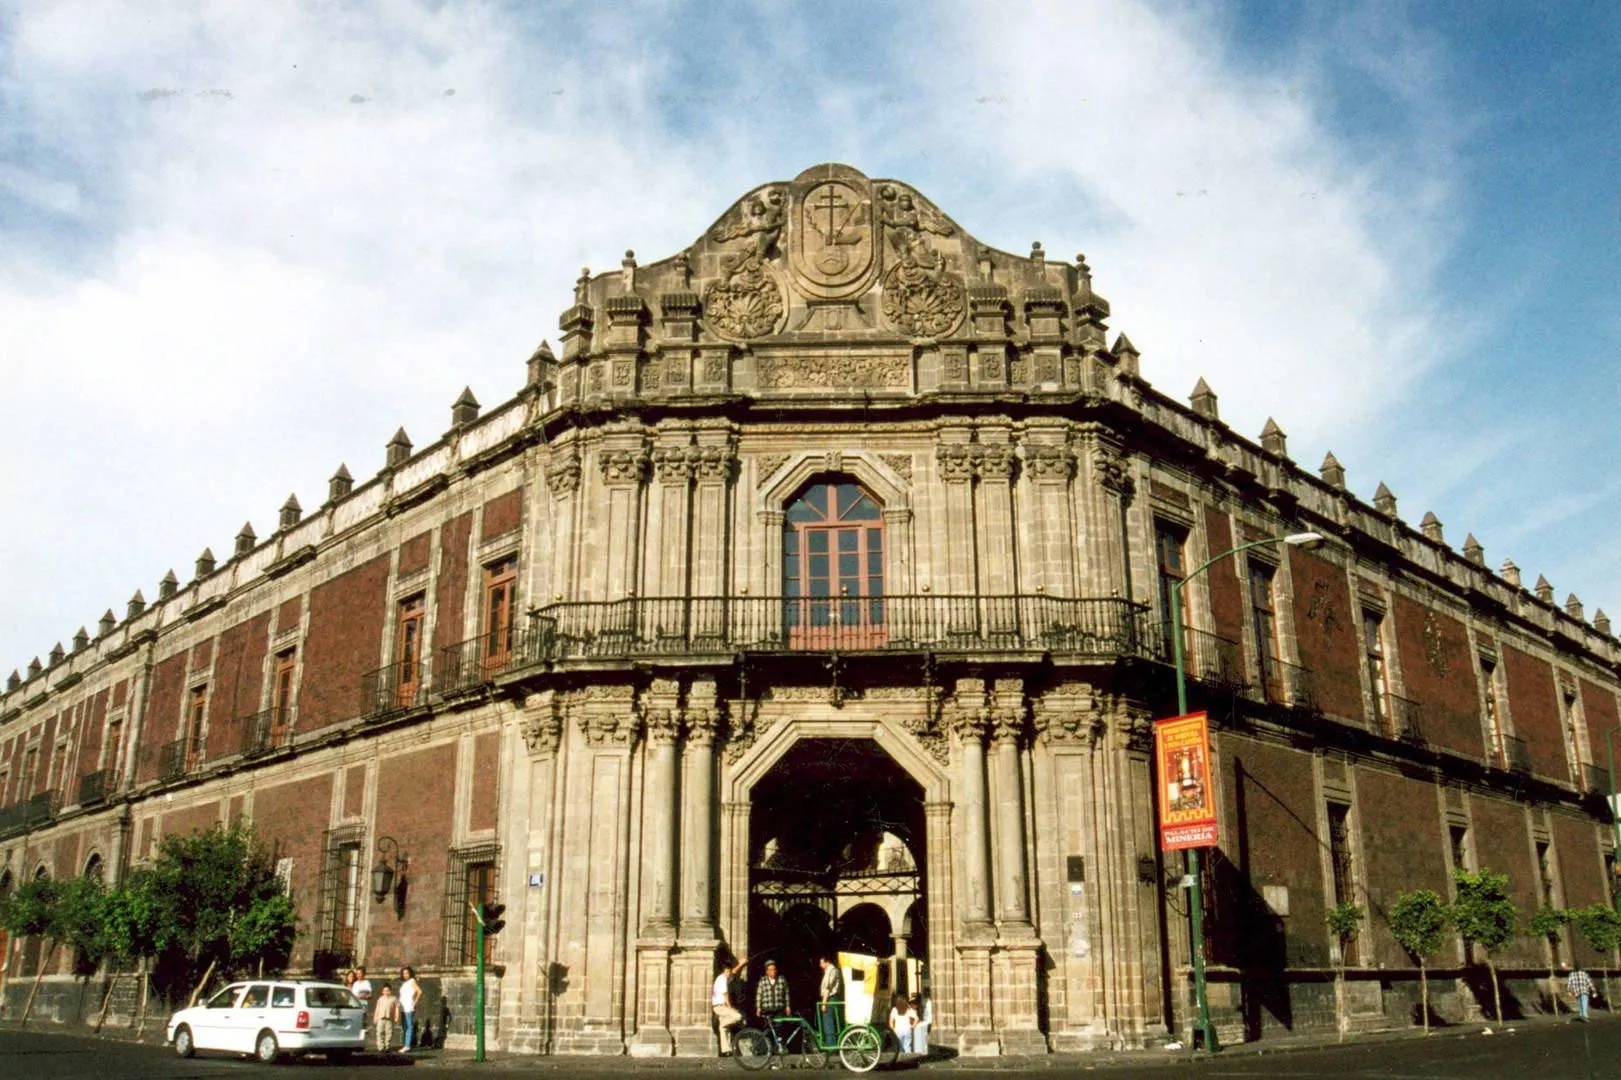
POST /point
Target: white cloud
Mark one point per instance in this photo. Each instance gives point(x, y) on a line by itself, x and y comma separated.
point(279, 274)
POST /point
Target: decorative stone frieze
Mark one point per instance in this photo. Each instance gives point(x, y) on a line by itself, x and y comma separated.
point(606, 713)
point(1069, 713)
point(543, 723)
point(1049, 464)
point(623, 466)
point(563, 473)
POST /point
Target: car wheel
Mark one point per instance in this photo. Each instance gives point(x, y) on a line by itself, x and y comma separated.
point(267, 1049)
point(182, 1041)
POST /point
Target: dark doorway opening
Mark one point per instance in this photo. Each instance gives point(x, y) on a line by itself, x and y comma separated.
point(836, 858)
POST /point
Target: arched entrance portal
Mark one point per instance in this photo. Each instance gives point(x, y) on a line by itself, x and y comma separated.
point(836, 858)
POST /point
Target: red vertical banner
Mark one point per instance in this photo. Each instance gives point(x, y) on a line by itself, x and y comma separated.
point(1187, 792)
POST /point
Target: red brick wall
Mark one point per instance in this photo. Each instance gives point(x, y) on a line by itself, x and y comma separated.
point(1269, 837)
point(47, 750)
point(238, 679)
point(65, 859)
point(1226, 598)
point(1535, 709)
point(1402, 850)
point(1327, 628)
point(201, 654)
point(160, 718)
point(415, 796)
point(292, 819)
point(90, 735)
point(1502, 845)
point(120, 692)
point(1440, 675)
point(486, 780)
point(289, 613)
point(345, 642)
point(450, 598)
point(1581, 872)
point(502, 514)
point(354, 791)
point(1599, 709)
point(414, 553)
point(192, 819)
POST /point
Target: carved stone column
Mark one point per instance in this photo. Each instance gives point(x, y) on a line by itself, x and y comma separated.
point(693, 966)
point(668, 524)
point(660, 713)
point(623, 458)
point(969, 720)
point(714, 462)
point(1007, 733)
point(1049, 464)
point(1108, 485)
point(955, 458)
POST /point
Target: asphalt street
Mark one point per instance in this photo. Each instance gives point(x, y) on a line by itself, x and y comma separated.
point(1548, 1051)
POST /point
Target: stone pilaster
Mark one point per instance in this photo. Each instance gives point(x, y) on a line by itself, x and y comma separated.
point(714, 463)
point(562, 482)
point(692, 967)
point(623, 459)
point(968, 716)
point(668, 516)
point(1049, 464)
point(1015, 990)
point(954, 458)
point(1101, 503)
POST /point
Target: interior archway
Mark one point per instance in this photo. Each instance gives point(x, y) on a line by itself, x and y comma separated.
point(836, 843)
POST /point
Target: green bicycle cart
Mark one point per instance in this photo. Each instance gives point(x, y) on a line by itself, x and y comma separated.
point(797, 1042)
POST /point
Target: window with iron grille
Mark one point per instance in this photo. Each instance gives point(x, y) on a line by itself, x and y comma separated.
point(470, 880)
point(1339, 850)
point(339, 903)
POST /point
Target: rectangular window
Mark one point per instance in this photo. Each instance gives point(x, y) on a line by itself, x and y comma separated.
point(1494, 720)
point(469, 882)
point(1169, 545)
point(281, 695)
point(1458, 835)
point(1263, 615)
point(1373, 650)
point(196, 716)
point(1545, 873)
point(500, 594)
point(408, 648)
point(340, 901)
point(1339, 850)
point(112, 753)
point(30, 773)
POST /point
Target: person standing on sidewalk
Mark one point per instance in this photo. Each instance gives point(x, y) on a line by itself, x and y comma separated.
point(410, 994)
point(832, 990)
point(1580, 987)
point(727, 1014)
point(385, 1016)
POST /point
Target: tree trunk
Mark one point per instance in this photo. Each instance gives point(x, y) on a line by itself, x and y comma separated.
point(1497, 993)
point(1342, 1021)
point(1553, 991)
point(1424, 993)
point(39, 977)
point(107, 1000)
point(146, 988)
point(197, 991)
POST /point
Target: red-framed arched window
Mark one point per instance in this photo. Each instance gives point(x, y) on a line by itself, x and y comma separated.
point(833, 566)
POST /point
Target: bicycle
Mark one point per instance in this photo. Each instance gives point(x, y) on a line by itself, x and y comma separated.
point(859, 1046)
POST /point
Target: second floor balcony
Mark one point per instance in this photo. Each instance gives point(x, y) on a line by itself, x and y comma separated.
point(95, 787)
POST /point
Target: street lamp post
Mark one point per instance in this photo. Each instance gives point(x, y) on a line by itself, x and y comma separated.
point(1194, 857)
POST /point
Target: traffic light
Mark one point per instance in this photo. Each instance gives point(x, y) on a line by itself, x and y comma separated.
point(491, 915)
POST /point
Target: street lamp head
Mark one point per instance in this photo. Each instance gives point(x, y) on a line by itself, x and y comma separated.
point(1311, 541)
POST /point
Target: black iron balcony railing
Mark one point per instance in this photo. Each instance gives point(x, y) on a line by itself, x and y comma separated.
point(1287, 684)
point(1406, 720)
point(266, 731)
point(93, 787)
point(393, 689)
point(640, 626)
point(1208, 658)
point(463, 667)
point(1513, 754)
point(178, 758)
point(1595, 778)
point(30, 813)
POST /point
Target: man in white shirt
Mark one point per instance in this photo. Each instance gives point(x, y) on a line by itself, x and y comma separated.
point(360, 987)
point(727, 1015)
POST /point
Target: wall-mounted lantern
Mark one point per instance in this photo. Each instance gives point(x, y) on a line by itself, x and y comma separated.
point(388, 876)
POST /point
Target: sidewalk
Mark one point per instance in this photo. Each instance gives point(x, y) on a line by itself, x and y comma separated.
point(940, 1060)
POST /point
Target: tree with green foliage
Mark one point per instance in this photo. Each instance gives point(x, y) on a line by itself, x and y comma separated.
point(1546, 924)
point(1484, 915)
point(218, 906)
point(1344, 921)
point(1418, 921)
point(129, 926)
point(1600, 924)
point(31, 912)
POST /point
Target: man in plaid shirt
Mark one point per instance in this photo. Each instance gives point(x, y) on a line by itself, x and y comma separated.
point(771, 997)
point(1580, 987)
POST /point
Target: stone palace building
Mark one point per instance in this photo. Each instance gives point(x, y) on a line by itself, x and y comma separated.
point(814, 595)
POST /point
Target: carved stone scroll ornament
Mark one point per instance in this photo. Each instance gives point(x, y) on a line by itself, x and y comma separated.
point(623, 466)
point(563, 474)
point(1110, 466)
point(1049, 463)
point(922, 297)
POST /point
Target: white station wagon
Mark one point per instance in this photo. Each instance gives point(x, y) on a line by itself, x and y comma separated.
point(269, 1018)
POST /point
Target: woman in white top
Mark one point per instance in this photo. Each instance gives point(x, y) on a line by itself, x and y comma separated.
point(902, 1018)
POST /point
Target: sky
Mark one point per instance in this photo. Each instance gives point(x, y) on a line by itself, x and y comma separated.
point(241, 244)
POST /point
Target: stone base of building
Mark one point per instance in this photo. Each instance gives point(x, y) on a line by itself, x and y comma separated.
point(651, 1042)
point(695, 1042)
point(590, 1041)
